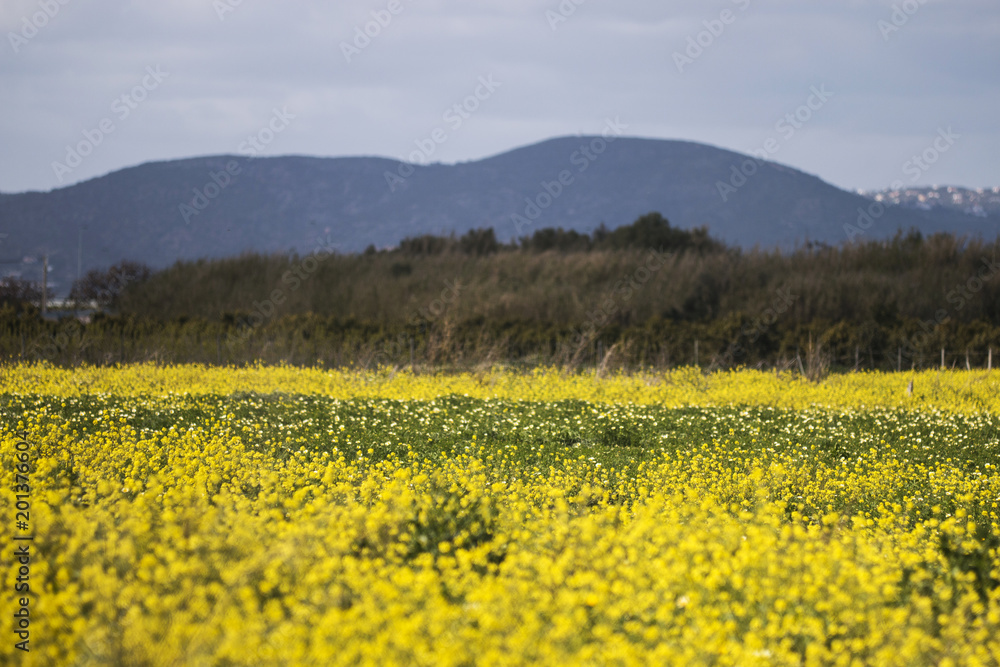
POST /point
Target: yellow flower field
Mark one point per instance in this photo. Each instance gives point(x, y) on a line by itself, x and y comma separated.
point(962, 391)
point(280, 516)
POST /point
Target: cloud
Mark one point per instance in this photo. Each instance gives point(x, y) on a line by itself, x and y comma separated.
point(606, 59)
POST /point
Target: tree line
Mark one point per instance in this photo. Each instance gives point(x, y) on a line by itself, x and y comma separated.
point(646, 293)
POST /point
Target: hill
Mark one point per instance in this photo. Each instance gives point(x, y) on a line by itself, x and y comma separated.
point(161, 212)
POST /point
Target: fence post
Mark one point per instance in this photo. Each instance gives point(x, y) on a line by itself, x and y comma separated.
point(989, 360)
point(942, 358)
point(899, 360)
point(696, 352)
point(857, 352)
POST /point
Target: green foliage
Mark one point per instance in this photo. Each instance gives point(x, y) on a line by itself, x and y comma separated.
point(332, 341)
point(564, 277)
point(654, 232)
point(519, 438)
point(557, 239)
point(19, 294)
point(607, 299)
point(105, 287)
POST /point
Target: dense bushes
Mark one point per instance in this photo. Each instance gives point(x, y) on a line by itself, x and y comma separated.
point(646, 294)
point(939, 278)
point(330, 341)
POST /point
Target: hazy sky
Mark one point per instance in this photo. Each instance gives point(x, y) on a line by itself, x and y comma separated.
point(91, 86)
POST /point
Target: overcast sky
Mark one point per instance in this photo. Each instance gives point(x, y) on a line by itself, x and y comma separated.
point(132, 82)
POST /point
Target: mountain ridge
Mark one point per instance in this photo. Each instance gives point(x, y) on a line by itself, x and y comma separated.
point(162, 211)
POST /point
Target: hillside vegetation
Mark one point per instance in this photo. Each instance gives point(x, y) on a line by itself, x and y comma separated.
point(648, 269)
point(646, 293)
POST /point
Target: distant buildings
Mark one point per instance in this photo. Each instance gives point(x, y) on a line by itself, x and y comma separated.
point(979, 202)
point(59, 308)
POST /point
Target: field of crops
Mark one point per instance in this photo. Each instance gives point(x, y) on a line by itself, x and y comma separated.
point(280, 516)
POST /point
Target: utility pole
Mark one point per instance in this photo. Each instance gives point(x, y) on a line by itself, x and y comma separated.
point(79, 254)
point(45, 283)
